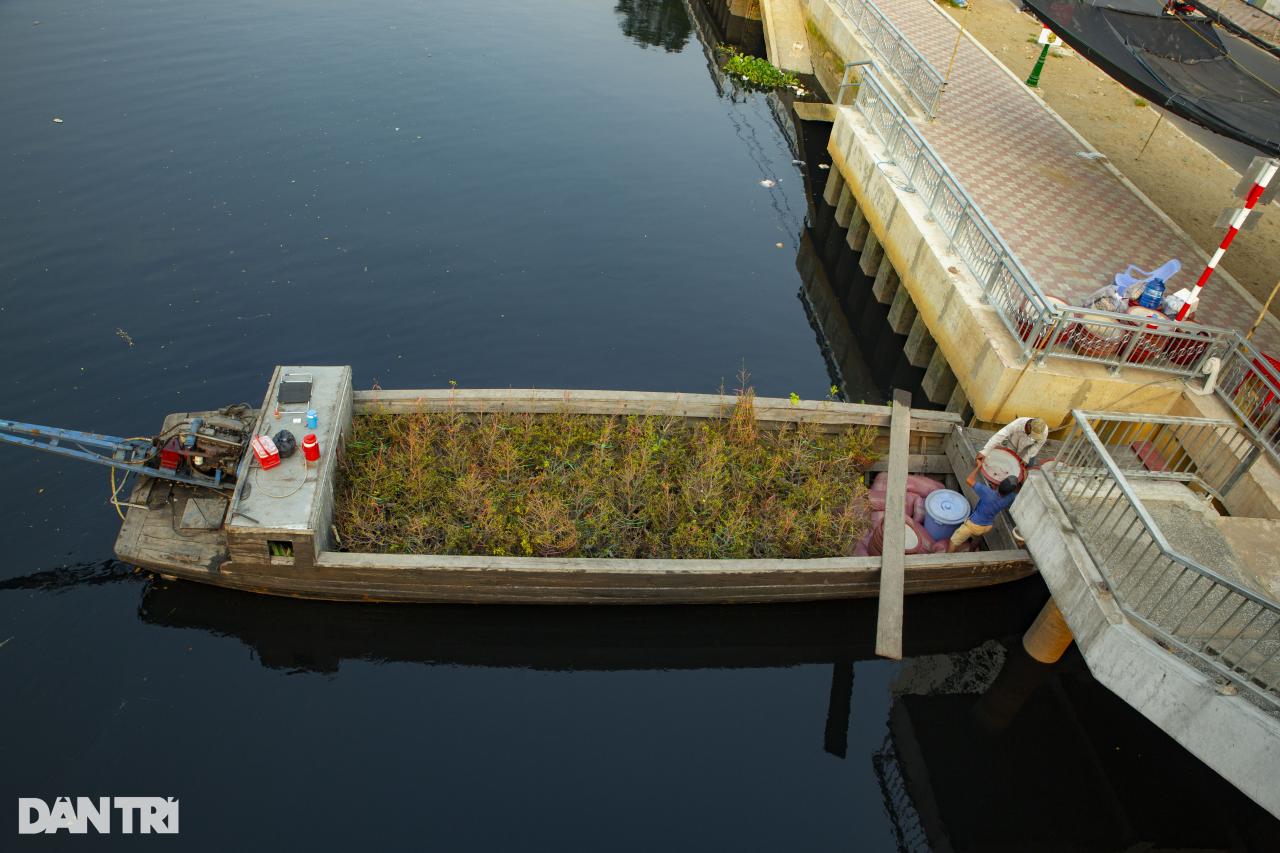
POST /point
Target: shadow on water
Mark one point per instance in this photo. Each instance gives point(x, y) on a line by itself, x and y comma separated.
point(319, 636)
point(982, 749)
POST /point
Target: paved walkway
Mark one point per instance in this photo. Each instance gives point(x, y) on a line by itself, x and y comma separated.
point(1249, 17)
point(1072, 223)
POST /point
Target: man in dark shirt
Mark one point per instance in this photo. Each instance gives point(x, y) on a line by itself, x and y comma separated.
point(991, 502)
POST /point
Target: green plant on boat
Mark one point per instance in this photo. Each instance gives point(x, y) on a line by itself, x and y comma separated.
point(757, 71)
point(574, 485)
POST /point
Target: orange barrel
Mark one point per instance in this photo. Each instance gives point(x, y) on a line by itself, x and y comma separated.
point(1001, 463)
point(1148, 346)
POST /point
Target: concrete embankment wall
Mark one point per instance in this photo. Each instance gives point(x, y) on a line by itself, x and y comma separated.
point(971, 355)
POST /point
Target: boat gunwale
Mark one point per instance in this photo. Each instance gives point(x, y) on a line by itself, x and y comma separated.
point(639, 566)
point(650, 403)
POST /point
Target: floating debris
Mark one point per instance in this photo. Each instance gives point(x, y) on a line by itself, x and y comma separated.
point(797, 163)
point(124, 336)
point(766, 183)
point(824, 166)
point(57, 120)
point(779, 245)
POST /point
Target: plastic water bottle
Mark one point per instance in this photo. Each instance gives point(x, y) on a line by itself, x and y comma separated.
point(1152, 295)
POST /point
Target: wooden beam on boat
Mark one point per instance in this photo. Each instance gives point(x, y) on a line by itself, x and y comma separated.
point(889, 619)
point(919, 463)
point(825, 414)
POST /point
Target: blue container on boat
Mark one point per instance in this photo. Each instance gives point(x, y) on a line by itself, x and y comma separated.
point(944, 511)
point(1152, 295)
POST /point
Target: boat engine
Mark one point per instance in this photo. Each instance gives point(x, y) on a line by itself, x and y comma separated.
point(210, 446)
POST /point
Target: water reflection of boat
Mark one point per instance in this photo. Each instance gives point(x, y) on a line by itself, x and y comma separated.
point(319, 636)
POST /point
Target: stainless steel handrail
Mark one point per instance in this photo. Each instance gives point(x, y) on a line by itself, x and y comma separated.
point(1043, 329)
point(920, 79)
point(1226, 627)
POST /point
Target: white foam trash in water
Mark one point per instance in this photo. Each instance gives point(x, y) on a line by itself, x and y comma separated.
point(768, 183)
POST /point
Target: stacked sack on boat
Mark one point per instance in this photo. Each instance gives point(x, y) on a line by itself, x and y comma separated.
point(918, 540)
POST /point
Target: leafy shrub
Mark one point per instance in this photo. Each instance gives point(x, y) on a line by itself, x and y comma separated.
point(757, 71)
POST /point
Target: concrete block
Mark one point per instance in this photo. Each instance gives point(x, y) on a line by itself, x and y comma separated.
point(939, 379)
point(902, 312)
point(872, 252)
point(835, 183)
point(858, 229)
point(844, 207)
point(886, 283)
point(920, 346)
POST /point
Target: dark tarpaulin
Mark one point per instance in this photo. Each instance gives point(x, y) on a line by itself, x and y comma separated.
point(1189, 66)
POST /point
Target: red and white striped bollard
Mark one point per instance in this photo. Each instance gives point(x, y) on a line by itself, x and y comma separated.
point(1237, 222)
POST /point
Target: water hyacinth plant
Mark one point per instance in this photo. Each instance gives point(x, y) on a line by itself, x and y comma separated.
point(601, 486)
point(757, 71)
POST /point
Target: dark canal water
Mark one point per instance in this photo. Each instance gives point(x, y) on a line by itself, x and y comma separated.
point(544, 193)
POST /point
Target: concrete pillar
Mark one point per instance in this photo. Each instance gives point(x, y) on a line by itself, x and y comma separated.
point(920, 344)
point(872, 252)
point(859, 227)
point(939, 380)
point(902, 312)
point(844, 207)
point(835, 183)
point(886, 283)
point(1048, 637)
point(959, 401)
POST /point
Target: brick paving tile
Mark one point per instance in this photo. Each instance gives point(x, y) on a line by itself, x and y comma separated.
point(1071, 222)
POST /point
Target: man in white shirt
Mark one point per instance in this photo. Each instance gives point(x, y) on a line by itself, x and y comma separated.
point(1024, 436)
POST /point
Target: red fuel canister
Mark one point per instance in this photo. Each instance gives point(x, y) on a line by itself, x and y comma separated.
point(310, 447)
point(264, 450)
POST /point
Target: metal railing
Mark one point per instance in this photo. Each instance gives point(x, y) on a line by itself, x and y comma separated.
point(1249, 385)
point(1048, 328)
point(1233, 631)
point(920, 79)
point(971, 236)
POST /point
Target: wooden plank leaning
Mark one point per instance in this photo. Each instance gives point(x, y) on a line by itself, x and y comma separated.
point(889, 619)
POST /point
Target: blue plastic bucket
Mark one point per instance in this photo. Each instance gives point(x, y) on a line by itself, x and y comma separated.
point(944, 510)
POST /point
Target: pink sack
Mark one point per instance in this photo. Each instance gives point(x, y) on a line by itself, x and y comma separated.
point(922, 485)
point(861, 549)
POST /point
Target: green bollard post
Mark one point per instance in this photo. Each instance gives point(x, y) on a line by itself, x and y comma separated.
point(1034, 80)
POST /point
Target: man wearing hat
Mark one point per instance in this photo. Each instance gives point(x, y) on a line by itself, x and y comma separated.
point(1024, 436)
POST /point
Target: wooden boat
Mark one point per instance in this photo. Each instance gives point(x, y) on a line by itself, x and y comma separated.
point(274, 534)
